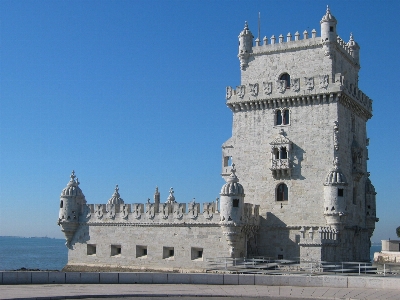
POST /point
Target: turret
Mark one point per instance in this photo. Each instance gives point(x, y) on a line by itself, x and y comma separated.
point(245, 46)
point(335, 196)
point(232, 200)
point(116, 198)
point(354, 49)
point(71, 205)
point(328, 31)
point(156, 199)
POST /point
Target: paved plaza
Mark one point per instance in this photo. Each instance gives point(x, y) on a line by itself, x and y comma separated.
point(188, 291)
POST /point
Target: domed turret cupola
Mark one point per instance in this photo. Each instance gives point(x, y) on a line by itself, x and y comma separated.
point(71, 206)
point(116, 198)
point(335, 195)
point(328, 31)
point(245, 46)
point(354, 49)
point(232, 199)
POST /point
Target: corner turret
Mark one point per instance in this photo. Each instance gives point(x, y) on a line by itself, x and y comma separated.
point(335, 196)
point(71, 205)
point(328, 31)
point(115, 198)
point(245, 46)
point(354, 49)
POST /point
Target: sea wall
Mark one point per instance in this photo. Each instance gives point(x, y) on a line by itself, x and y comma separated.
point(12, 278)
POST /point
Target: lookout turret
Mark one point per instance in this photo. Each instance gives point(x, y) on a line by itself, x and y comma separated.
point(71, 201)
point(245, 46)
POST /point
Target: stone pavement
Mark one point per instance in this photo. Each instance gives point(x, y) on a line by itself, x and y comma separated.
point(82, 291)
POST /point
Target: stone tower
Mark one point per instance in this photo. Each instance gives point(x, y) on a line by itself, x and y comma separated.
point(72, 201)
point(297, 113)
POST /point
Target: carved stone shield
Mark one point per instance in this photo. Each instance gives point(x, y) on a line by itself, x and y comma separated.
point(267, 86)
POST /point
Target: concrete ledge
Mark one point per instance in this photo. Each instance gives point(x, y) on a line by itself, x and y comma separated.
point(352, 281)
point(57, 277)
point(246, 279)
point(40, 277)
point(232, 279)
point(90, 278)
point(109, 278)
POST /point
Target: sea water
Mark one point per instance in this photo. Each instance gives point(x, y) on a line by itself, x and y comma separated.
point(32, 253)
point(49, 254)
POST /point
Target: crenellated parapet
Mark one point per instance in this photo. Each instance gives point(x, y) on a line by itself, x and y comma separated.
point(318, 236)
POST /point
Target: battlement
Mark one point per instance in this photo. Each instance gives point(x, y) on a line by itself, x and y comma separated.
point(172, 214)
point(303, 91)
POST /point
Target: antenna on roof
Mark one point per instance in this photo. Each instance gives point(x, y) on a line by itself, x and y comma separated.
point(259, 25)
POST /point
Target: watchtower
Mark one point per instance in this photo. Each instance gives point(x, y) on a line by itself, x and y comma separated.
point(299, 143)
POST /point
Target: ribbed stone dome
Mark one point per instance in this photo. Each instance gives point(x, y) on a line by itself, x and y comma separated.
point(72, 188)
point(328, 17)
point(115, 198)
point(335, 176)
point(232, 187)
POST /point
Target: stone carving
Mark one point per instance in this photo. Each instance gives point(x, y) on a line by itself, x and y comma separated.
point(240, 91)
point(267, 87)
point(335, 135)
point(150, 210)
point(111, 210)
point(208, 209)
point(193, 209)
point(228, 92)
point(281, 86)
point(137, 210)
point(309, 83)
point(254, 89)
point(125, 211)
point(99, 211)
point(179, 210)
point(171, 197)
point(295, 84)
point(165, 210)
point(323, 81)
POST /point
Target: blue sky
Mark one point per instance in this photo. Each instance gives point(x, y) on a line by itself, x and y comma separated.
point(133, 93)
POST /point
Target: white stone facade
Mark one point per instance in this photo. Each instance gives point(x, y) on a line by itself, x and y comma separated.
point(299, 144)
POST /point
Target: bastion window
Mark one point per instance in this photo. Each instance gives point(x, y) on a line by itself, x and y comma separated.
point(141, 251)
point(286, 77)
point(168, 252)
point(61, 204)
point(235, 202)
point(282, 192)
point(340, 192)
point(196, 253)
point(91, 249)
point(115, 250)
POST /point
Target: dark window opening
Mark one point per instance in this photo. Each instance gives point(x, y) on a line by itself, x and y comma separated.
point(331, 28)
point(91, 249)
point(196, 253)
point(286, 77)
point(235, 202)
point(285, 117)
point(168, 252)
point(282, 192)
point(115, 250)
point(141, 251)
point(171, 252)
point(280, 256)
point(278, 117)
point(61, 204)
point(283, 153)
point(340, 192)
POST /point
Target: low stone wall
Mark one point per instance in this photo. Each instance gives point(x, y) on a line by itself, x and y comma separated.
point(8, 278)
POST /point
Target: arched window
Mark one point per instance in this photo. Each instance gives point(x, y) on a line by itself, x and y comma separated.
point(61, 204)
point(286, 118)
point(278, 117)
point(286, 77)
point(282, 192)
point(282, 117)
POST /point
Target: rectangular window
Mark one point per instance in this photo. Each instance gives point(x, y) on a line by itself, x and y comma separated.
point(331, 28)
point(196, 253)
point(115, 250)
point(141, 251)
point(280, 256)
point(235, 202)
point(340, 192)
point(91, 249)
point(168, 252)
